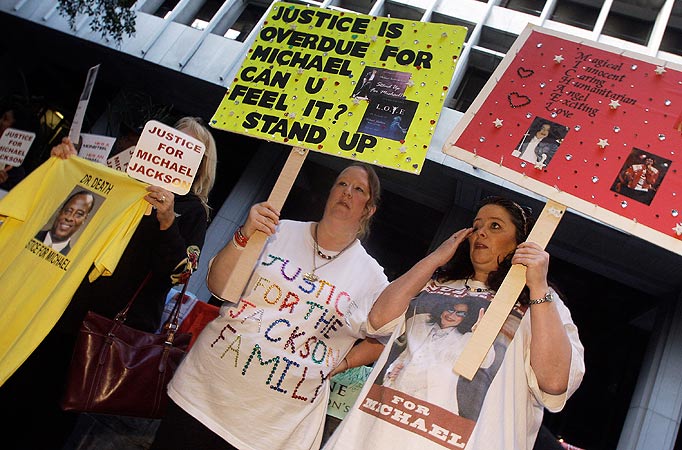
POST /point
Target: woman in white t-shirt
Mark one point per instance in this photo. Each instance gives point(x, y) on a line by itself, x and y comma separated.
point(257, 376)
point(537, 362)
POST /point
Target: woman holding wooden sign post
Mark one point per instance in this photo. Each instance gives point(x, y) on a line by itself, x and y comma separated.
point(536, 361)
point(258, 375)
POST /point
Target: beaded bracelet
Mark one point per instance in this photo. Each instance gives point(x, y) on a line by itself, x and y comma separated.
point(236, 245)
point(240, 238)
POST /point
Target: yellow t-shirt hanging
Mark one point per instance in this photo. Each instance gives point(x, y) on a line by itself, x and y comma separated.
point(62, 219)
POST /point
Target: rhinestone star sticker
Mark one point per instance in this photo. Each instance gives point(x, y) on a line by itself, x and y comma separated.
point(678, 229)
point(558, 59)
point(614, 104)
point(498, 123)
point(603, 143)
point(660, 70)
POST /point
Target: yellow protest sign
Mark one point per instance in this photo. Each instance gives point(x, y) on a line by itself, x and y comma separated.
point(349, 85)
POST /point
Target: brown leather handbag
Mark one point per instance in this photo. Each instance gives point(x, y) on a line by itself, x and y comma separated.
point(116, 369)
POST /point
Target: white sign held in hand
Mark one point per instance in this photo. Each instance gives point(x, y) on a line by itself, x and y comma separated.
point(77, 123)
point(166, 157)
point(120, 160)
point(96, 148)
point(14, 145)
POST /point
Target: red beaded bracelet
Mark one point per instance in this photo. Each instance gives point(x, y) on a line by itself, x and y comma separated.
point(240, 238)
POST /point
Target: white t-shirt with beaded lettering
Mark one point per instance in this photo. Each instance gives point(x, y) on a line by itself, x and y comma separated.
point(257, 374)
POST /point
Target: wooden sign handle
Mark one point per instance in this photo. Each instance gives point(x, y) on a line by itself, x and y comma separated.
point(487, 330)
point(234, 286)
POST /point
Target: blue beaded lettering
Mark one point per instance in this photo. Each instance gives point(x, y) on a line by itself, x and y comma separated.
point(278, 387)
point(272, 325)
point(312, 286)
point(256, 351)
point(273, 259)
point(323, 320)
point(283, 268)
point(331, 327)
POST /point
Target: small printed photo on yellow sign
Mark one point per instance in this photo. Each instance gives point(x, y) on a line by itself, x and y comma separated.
point(350, 85)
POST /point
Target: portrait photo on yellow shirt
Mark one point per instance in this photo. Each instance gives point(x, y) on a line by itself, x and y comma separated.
point(69, 220)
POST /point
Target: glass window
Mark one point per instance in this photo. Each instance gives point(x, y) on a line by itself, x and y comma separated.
point(576, 13)
point(208, 10)
point(442, 18)
point(247, 20)
point(400, 11)
point(480, 67)
point(630, 22)
point(497, 40)
point(532, 7)
point(361, 6)
point(165, 9)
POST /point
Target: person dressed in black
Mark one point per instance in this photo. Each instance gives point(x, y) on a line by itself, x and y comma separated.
point(156, 248)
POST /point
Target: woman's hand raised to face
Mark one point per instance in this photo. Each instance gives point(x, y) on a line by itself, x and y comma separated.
point(444, 252)
point(64, 150)
point(262, 217)
point(536, 261)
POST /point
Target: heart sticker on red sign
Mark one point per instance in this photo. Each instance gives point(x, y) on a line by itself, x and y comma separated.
point(517, 100)
point(524, 73)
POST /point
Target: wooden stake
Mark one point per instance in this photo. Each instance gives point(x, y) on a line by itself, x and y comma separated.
point(487, 330)
point(235, 285)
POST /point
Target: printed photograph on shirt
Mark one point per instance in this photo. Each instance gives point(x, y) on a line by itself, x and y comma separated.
point(68, 222)
point(419, 368)
point(540, 142)
point(641, 175)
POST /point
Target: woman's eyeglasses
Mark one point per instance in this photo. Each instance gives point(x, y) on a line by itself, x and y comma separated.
point(457, 313)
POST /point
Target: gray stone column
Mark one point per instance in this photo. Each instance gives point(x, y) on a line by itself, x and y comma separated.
point(654, 415)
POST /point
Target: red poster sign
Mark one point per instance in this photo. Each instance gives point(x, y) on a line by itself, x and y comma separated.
point(587, 125)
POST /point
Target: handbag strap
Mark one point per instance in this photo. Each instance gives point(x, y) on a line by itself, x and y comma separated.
point(123, 314)
point(173, 323)
point(188, 266)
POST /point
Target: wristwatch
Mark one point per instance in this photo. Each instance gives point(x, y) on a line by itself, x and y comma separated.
point(547, 298)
